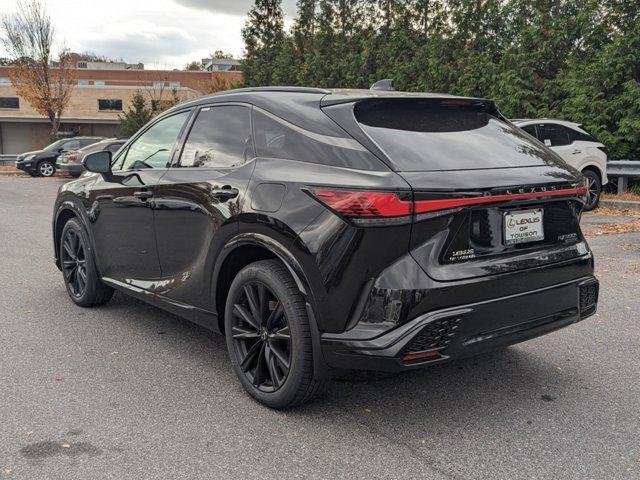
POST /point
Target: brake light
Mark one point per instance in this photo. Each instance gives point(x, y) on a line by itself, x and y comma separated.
point(374, 207)
point(438, 204)
point(360, 204)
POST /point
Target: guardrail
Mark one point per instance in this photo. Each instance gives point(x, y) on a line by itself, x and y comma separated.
point(623, 170)
point(8, 159)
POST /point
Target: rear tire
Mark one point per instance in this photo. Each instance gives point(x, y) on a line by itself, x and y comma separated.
point(269, 337)
point(594, 190)
point(78, 267)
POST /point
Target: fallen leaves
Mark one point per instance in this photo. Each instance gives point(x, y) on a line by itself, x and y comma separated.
point(615, 228)
point(629, 223)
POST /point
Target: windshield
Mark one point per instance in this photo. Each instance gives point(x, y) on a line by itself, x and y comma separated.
point(55, 145)
point(445, 134)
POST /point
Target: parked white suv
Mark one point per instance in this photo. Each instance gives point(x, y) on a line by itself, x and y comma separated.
point(576, 147)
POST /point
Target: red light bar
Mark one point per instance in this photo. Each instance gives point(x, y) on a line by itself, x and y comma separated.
point(427, 355)
point(425, 206)
point(372, 207)
point(364, 204)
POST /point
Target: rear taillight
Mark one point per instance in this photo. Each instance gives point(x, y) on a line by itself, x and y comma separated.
point(374, 207)
point(452, 203)
point(367, 207)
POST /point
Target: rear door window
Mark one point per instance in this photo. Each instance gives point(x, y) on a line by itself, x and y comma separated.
point(220, 138)
point(445, 134)
point(553, 135)
point(531, 130)
point(71, 145)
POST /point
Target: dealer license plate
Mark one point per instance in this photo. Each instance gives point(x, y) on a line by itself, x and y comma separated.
point(523, 226)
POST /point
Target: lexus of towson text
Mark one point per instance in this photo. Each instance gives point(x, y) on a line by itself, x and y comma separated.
point(323, 230)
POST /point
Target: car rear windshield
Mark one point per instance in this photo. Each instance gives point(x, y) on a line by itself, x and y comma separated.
point(446, 134)
point(95, 147)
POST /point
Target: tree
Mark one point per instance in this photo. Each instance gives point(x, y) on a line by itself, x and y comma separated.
point(135, 117)
point(577, 60)
point(194, 66)
point(217, 83)
point(263, 36)
point(219, 54)
point(28, 37)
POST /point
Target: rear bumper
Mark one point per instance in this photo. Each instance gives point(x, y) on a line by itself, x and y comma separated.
point(73, 169)
point(465, 330)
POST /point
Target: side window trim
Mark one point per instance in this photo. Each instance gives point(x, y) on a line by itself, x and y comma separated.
point(177, 156)
point(125, 147)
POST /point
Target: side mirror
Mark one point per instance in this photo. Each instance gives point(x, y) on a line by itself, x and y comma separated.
point(98, 162)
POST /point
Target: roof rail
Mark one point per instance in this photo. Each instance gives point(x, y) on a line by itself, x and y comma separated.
point(279, 89)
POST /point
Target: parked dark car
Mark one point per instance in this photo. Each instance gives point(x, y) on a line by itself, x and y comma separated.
point(43, 162)
point(71, 162)
point(325, 230)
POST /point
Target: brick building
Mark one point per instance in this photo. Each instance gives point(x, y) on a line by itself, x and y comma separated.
point(103, 91)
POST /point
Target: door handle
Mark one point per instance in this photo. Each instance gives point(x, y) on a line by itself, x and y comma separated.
point(225, 193)
point(576, 151)
point(143, 195)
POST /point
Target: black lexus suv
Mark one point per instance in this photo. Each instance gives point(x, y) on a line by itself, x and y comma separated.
point(323, 230)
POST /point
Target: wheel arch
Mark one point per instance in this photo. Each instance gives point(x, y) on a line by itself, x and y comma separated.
point(66, 211)
point(597, 168)
point(239, 252)
point(593, 167)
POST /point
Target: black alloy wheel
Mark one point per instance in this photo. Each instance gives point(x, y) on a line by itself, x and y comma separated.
point(81, 278)
point(74, 264)
point(261, 337)
point(594, 188)
point(269, 338)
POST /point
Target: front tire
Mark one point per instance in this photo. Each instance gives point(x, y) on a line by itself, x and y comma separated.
point(46, 168)
point(594, 190)
point(78, 268)
point(269, 337)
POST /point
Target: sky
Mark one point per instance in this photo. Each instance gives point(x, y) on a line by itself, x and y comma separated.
point(162, 34)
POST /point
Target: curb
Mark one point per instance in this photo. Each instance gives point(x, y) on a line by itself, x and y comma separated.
point(631, 205)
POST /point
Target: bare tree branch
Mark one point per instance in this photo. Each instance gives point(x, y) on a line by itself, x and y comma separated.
point(28, 38)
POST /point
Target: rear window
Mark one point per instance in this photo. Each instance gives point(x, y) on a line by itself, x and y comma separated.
point(445, 134)
point(94, 147)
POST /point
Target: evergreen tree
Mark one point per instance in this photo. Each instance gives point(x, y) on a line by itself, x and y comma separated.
point(135, 117)
point(573, 59)
point(263, 36)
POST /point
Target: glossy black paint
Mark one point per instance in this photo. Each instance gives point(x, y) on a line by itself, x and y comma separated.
point(176, 236)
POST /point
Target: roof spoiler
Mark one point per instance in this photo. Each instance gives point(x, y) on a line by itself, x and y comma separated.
point(385, 85)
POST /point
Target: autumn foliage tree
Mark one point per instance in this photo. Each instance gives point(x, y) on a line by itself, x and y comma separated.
point(28, 37)
point(217, 83)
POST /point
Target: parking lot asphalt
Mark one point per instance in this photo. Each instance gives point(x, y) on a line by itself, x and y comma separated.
point(127, 391)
